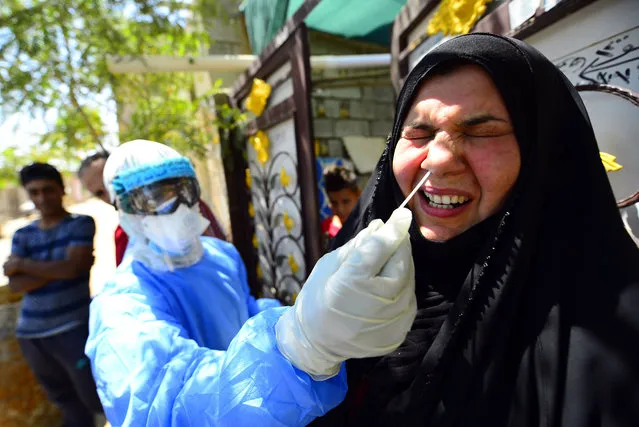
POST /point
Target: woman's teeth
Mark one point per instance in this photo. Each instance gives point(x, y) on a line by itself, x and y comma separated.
point(445, 201)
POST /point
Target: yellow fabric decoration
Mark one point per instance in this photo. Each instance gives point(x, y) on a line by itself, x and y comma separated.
point(249, 180)
point(609, 162)
point(291, 262)
point(255, 243)
point(258, 271)
point(260, 143)
point(456, 16)
point(285, 180)
point(288, 222)
point(262, 156)
point(251, 210)
point(256, 101)
point(260, 140)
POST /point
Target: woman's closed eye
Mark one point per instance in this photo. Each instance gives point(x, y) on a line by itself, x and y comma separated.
point(487, 129)
point(417, 134)
point(484, 134)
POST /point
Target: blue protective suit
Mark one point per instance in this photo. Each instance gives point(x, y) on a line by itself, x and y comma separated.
point(181, 349)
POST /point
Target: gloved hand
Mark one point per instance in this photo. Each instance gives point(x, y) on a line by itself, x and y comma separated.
point(359, 301)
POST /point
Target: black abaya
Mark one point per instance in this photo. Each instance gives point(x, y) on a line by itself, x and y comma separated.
point(540, 324)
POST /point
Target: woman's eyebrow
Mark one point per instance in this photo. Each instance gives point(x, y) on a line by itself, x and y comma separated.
point(417, 124)
point(480, 119)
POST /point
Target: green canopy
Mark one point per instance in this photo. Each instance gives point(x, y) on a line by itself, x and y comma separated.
point(263, 19)
point(366, 20)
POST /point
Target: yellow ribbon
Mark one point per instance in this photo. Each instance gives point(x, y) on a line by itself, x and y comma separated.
point(288, 222)
point(291, 263)
point(456, 16)
point(260, 143)
point(249, 180)
point(256, 101)
point(609, 162)
point(285, 179)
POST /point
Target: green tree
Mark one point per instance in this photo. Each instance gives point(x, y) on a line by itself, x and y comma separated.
point(9, 166)
point(53, 56)
point(162, 106)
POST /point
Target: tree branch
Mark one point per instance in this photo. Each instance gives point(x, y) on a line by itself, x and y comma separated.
point(72, 95)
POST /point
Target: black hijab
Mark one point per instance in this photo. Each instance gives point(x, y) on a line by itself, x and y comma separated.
point(543, 326)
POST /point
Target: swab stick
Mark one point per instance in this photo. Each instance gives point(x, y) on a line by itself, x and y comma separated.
point(417, 187)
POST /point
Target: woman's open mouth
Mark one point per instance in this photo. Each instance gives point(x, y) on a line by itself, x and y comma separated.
point(443, 205)
point(445, 201)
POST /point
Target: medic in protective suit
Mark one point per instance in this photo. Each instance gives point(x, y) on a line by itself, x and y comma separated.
point(176, 339)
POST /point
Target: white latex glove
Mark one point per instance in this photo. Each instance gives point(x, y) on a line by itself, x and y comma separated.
point(359, 301)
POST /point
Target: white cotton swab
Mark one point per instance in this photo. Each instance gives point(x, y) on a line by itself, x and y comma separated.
point(417, 187)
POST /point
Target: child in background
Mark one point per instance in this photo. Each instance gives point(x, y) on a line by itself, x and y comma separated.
point(343, 192)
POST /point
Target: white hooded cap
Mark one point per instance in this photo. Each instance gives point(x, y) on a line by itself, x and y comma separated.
point(135, 156)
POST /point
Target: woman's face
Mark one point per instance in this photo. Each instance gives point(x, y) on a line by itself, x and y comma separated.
point(458, 128)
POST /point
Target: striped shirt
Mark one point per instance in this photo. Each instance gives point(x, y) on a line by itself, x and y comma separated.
point(62, 304)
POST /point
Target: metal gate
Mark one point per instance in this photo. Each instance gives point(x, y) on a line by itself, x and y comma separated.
point(279, 230)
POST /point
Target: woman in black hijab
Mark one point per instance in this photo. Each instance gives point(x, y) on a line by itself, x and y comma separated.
point(527, 282)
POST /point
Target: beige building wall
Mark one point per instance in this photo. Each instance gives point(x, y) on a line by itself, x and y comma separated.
point(10, 200)
point(228, 38)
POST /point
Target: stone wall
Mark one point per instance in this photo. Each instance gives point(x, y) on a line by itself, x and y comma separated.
point(355, 110)
point(358, 102)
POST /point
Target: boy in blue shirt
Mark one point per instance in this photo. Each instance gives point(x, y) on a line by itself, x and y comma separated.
point(50, 262)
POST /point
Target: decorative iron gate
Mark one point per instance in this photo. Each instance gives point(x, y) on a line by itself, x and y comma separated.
point(280, 170)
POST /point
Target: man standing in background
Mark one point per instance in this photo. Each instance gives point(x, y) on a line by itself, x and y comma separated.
point(50, 262)
point(90, 174)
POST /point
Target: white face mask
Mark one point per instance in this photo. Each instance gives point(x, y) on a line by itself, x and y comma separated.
point(175, 233)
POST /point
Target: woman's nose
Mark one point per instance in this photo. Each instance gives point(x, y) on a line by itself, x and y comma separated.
point(443, 156)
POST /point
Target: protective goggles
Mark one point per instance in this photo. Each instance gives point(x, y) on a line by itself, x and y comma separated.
point(161, 197)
